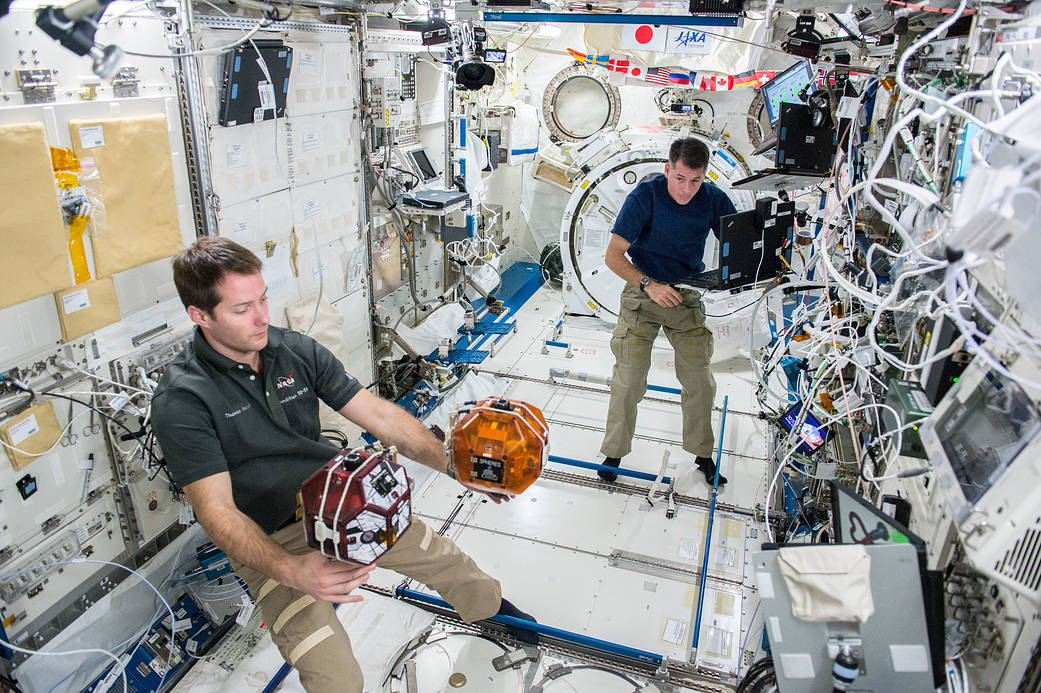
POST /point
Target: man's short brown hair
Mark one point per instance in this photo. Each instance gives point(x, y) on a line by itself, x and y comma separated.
point(692, 152)
point(199, 268)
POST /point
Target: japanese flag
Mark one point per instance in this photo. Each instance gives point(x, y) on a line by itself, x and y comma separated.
point(637, 71)
point(644, 37)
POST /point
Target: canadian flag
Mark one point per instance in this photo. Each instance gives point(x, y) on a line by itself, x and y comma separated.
point(644, 37)
point(717, 83)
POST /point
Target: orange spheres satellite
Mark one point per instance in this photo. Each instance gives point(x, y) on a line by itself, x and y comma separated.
point(498, 445)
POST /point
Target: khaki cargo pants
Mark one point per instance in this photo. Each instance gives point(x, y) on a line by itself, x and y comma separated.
point(639, 320)
point(311, 637)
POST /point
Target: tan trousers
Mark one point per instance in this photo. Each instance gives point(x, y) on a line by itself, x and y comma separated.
point(311, 637)
point(639, 320)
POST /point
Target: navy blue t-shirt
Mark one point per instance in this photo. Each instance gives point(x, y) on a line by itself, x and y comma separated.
point(668, 239)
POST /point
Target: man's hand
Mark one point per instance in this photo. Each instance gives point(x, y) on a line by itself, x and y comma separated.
point(328, 579)
point(663, 294)
point(496, 497)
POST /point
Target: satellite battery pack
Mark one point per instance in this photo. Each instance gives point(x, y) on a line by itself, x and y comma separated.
point(256, 81)
point(357, 505)
point(498, 445)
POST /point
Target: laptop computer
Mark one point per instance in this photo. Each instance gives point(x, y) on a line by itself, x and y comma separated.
point(246, 95)
point(804, 156)
point(749, 246)
point(786, 87)
point(433, 199)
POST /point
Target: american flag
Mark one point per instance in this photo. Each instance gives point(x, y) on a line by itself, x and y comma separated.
point(657, 75)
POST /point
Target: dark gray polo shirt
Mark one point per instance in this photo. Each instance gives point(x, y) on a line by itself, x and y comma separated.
point(212, 415)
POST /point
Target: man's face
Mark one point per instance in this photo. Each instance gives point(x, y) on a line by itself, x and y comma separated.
point(237, 327)
point(683, 182)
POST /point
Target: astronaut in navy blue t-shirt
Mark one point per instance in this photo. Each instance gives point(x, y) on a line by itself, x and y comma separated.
point(658, 239)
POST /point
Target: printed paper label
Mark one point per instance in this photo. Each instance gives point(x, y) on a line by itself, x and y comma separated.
point(236, 155)
point(241, 232)
point(92, 136)
point(245, 611)
point(23, 429)
point(312, 210)
point(848, 107)
point(77, 300)
point(186, 515)
point(688, 550)
point(307, 63)
point(311, 142)
point(267, 95)
point(726, 556)
point(718, 642)
point(675, 631)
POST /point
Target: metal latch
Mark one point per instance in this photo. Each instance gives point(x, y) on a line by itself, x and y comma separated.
point(37, 85)
point(125, 83)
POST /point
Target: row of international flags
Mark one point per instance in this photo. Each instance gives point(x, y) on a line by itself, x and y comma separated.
point(634, 72)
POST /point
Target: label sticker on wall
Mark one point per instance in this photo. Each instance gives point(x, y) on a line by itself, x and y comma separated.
point(311, 142)
point(92, 136)
point(726, 556)
point(675, 631)
point(688, 550)
point(23, 429)
point(241, 233)
point(77, 300)
point(312, 210)
point(718, 641)
point(237, 155)
point(307, 63)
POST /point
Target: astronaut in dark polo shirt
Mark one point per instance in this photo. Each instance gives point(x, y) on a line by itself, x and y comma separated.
point(236, 415)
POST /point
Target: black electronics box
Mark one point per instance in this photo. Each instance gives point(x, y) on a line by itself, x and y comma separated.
point(801, 147)
point(247, 95)
point(717, 7)
point(776, 219)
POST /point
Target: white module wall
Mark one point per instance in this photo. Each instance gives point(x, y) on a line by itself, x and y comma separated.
point(290, 189)
point(119, 506)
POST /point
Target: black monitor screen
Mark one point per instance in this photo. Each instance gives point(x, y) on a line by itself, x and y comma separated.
point(493, 55)
point(423, 164)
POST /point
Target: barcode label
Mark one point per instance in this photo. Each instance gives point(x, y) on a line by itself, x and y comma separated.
point(267, 95)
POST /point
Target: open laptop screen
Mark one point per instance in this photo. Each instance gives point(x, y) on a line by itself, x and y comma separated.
point(785, 88)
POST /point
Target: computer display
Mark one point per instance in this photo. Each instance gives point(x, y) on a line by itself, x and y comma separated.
point(856, 521)
point(811, 432)
point(985, 432)
point(494, 55)
point(424, 166)
point(785, 88)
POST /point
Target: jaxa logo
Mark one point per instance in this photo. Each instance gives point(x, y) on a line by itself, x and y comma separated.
point(285, 381)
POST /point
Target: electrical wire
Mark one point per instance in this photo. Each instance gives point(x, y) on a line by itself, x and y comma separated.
point(116, 660)
point(209, 51)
